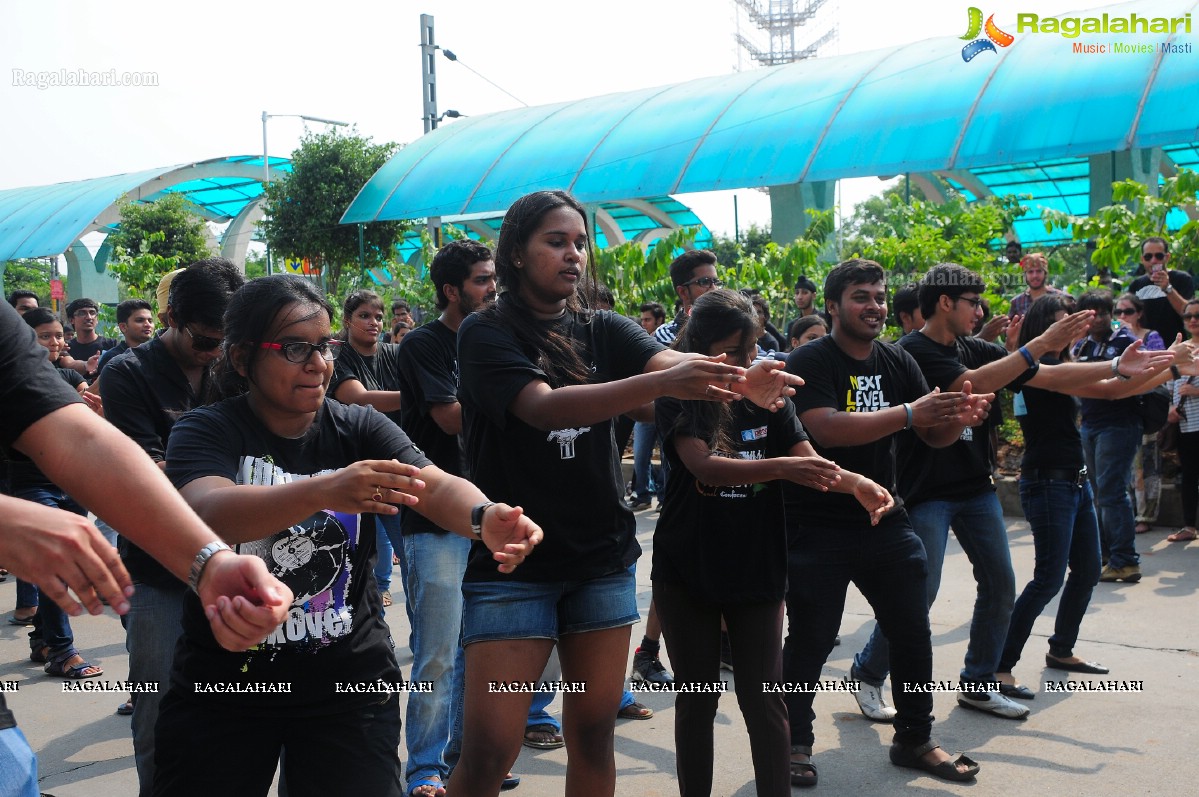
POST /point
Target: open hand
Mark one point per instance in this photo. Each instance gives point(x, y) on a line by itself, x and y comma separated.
point(768, 385)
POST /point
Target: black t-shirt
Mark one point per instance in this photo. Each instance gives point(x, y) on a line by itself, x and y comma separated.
point(30, 389)
point(962, 469)
point(145, 392)
point(725, 544)
point(889, 377)
point(83, 351)
point(1049, 423)
point(1159, 314)
point(379, 371)
point(23, 474)
point(428, 368)
point(567, 480)
point(1101, 413)
point(109, 354)
point(335, 630)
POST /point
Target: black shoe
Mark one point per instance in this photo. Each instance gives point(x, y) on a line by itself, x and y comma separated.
point(637, 504)
point(649, 669)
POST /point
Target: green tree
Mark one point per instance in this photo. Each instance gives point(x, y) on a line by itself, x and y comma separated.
point(304, 209)
point(155, 238)
point(167, 226)
point(32, 274)
point(730, 250)
point(1118, 229)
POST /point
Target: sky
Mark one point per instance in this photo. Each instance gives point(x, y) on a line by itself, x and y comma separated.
point(219, 64)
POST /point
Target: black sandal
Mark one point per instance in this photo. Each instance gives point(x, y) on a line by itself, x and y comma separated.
point(910, 757)
point(803, 773)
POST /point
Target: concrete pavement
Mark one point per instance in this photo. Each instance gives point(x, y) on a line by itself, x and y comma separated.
point(1073, 743)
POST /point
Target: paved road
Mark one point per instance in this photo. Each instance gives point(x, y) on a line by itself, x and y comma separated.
point(1093, 744)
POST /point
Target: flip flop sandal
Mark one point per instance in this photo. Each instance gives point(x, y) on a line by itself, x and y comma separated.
point(510, 782)
point(1183, 535)
point(431, 780)
point(910, 757)
point(635, 711)
point(543, 736)
point(58, 667)
point(803, 773)
point(25, 621)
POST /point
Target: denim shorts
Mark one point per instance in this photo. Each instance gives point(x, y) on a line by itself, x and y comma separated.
point(495, 610)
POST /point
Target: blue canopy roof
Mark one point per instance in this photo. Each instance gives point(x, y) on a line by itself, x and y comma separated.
point(912, 108)
point(45, 220)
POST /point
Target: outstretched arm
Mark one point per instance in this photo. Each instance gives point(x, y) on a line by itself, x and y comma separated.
point(67, 445)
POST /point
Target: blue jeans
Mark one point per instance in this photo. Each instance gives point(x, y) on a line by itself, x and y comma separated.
point(888, 565)
point(647, 481)
point(18, 765)
point(1065, 533)
point(538, 715)
point(388, 540)
point(27, 597)
point(152, 627)
point(978, 524)
point(51, 625)
point(1109, 452)
point(435, 563)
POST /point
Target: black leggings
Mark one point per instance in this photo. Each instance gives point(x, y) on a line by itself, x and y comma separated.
point(692, 633)
point(1188, 455)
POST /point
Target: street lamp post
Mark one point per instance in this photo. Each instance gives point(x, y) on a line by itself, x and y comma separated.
point(266, 168)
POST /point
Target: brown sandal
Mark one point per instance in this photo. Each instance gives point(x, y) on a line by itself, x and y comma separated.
point(1184, 535)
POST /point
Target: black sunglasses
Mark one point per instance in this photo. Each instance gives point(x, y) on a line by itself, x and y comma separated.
point(1147, 256)
point(203, 342)
point(1125, 311)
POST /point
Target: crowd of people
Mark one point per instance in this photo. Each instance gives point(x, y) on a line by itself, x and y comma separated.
point(285, 465)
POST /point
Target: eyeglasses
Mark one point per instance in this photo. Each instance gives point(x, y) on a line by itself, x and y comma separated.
point(85, 314)
point(705, 282)
point(1125, 311)
point(203, 342)
point(300, 352)
point(1147, 256)
point(975, 302)
point(1190, 316)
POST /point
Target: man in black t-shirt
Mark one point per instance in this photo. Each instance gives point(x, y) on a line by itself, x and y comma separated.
point(1163, 290)
point(953, 486)
point(859, 395)
point(87, 346)
point(464, 276)
point(145, 391)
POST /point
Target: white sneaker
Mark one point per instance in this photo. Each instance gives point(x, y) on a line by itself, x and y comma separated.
point(993, 703)
point(872, 703)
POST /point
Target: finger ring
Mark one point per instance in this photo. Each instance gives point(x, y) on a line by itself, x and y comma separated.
point(708, 390)
point(378, 496)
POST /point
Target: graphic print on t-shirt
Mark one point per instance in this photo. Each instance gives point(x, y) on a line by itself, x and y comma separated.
point(565, 438)
point(313, 558)
point(866, 394)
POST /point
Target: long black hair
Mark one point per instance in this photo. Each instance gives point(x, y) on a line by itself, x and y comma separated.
point(1040, 317)
point(715, 316)
point(255, 311)
point(553, 351)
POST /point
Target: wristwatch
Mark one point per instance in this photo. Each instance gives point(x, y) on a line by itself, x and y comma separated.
point(1169, 289)
point(476, 518)
point(201, 561)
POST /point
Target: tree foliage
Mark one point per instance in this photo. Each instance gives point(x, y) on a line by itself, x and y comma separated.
point(1118, 229)
point(31, 274)
point(154, 239)
point(303, 209)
